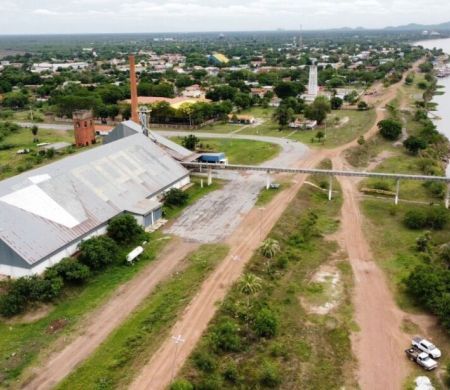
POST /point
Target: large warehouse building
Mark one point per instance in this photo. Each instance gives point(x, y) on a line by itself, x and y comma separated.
point(47, 212)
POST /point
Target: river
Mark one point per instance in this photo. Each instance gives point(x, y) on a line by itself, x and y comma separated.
point(443, 101)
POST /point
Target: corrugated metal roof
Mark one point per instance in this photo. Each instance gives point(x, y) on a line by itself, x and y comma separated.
point(89, 188)
point(127, 128)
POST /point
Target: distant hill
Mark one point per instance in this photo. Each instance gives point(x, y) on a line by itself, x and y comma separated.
point(407, 27)
point(420, 27)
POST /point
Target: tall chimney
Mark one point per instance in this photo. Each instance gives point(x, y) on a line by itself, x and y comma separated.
point(133, 89)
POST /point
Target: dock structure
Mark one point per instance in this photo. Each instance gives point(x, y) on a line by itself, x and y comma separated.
point(397, 177)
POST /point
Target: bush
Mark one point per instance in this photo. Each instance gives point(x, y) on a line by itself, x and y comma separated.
point(98, 252)
point(437, 217)
point(27, 290)
point(269, 376)
point(181, 384)
point(204, 361)
point(124, 229)
point(266, 323)
point(434, 218)
point(390, 129)
point(225, 337)
point(70, 270)
point(381, 185)
point(175, 197)
point(231, 373)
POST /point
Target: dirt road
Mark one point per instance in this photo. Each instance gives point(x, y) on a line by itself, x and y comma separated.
point(170, 357)
point(380, 342)
point(99, 324)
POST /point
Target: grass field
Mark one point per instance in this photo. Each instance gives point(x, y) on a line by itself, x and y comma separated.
point(239, 151)
point(341, 126)
point(308, 351)
point(119, 358)
point(11, 163)
point(352, 125)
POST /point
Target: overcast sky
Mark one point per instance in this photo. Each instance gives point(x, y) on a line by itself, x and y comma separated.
point(85, 16)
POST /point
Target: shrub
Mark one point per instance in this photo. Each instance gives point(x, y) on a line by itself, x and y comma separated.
point(70, 270)
point(225, 337)
point(362, 106)
point(29, 289)
point(390, 129)
point(269, 375)
point(437, 217)
point(12, 304)
point(231, 373)
point(415, 219)
point(181, 384)
point(414, 144)
point(124, 229)
point(381, 185)
point(266, 323)
point(175, 197)
point(204, 362)
point(98, 252)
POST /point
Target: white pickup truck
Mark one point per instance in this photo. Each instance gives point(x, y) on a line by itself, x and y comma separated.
point(421, 358)
point(426, 346)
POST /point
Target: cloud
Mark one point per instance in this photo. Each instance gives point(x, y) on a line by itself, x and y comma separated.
point(206, 15)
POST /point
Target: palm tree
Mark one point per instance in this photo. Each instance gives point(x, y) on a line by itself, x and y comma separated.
point(270, 248)
point(249, 284)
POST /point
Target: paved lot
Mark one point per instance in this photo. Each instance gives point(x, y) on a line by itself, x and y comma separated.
point(214, 217)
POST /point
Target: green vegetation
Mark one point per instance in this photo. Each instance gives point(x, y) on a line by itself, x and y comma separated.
point(95, 254)
point(266, 195)
point(193, 193)
point(390, 129)
point(12, 163)
point(123, 229)
point(23, 339)
point(239, 151)
point(340, 127)
point(175, 198)
point(119, 358)
point(263, 336)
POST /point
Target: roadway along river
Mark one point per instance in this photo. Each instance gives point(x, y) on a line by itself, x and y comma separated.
point(443, 101)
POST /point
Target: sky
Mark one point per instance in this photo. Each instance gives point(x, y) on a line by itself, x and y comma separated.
point(104, 16)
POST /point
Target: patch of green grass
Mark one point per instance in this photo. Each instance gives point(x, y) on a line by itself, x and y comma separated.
point(195, 192)
point(239, 151)
point(393, 244)
point(119, 358)
point(10, 161)
point(352, 124)
point(307, 351)
point(21, 343)
point(404, 163)
point(266, 195)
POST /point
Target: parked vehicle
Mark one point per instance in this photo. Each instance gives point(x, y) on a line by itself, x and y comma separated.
point(426, 346)
point(421, 358)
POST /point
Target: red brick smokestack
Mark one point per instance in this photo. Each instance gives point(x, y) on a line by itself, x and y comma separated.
point(133, 89)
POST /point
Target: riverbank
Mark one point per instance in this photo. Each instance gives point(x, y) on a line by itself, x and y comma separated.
point(442, 97)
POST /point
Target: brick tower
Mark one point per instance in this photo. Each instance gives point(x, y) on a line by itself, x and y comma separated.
point(84, 127)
